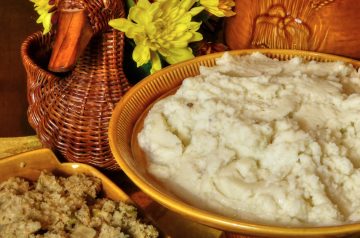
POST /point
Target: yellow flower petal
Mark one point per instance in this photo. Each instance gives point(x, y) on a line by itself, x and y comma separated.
point(151, 30)
point(47, 24)
point(196, 10)
point(215, 11)
point(154, 9)
point(179, 44)
point(164, 52)
point(141, 55)
point(139, 15)
point(181, 27)
point(185, 37)
point(209, 3)
point(143, 4)
point(165, 6)
point(120, 24)
point(177, 55)
point(196, 37)
point(194, 26)
point(186, 4)
point(131, 29)
point(229, 13)
point(155, 62)
point(219, 8)
point(42, 8)
point(162, 27)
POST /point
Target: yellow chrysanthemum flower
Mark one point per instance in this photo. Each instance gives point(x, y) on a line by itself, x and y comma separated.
point(42, 7)
point(163, 27)
point(219, 8)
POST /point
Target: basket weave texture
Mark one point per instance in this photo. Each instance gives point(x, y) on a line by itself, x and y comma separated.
point(71, 113)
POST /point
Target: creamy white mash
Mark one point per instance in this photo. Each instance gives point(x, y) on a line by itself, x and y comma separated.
point(262, 140)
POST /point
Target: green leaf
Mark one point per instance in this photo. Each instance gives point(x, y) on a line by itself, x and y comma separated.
point(129, 3)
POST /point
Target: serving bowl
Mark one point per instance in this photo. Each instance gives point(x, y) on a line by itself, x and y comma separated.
point(127, 121)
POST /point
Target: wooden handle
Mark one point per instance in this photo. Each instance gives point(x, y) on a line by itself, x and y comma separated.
point(73, 34)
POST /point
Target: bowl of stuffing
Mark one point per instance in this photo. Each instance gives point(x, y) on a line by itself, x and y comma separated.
point(257, 142)
point(41, 197)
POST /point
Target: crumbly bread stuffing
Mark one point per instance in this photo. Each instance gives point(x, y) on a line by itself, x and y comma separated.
point(59, 207)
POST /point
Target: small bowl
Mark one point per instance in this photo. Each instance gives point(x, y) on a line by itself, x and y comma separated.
point(29, 165)
point(127, 121)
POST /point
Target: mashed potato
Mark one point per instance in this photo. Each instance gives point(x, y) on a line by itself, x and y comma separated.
point(262, 140)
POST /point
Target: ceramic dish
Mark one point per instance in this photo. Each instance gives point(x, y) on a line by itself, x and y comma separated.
point(127, 121)
point(28, 165)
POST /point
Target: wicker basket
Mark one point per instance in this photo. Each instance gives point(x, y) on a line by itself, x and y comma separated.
point(71, 113)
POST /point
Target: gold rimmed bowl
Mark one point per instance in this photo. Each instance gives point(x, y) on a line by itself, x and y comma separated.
point(127, 122)
point(29, 165)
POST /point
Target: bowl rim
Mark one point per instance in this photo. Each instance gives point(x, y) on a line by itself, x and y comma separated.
point(36, 160)
point(202, 216)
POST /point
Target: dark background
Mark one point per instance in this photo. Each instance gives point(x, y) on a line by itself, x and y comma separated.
point(17, 21)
